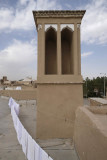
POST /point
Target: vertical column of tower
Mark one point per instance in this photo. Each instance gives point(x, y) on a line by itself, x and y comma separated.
point(75, 50)
point(79, 49)
point(41, 49)
point(58, 50)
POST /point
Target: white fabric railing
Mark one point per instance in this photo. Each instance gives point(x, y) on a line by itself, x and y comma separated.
point(29, 146)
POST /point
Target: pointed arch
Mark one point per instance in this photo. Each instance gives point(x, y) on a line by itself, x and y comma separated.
point(47, 27)
point(67, 27)
point(67, 50)
point(50, 51)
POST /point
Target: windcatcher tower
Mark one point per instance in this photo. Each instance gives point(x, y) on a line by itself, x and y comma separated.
point(59, 80)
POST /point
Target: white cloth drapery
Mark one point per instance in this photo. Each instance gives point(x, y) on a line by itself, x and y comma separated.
point(29, 146)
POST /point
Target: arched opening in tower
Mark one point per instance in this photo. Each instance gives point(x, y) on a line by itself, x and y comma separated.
point(67, 51)
point(51, 51)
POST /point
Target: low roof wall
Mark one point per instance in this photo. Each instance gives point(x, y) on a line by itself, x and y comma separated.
point(19, 94)
point(90, 135)
point(98, 101)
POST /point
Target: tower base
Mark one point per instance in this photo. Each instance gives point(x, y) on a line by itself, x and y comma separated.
point(56, 106)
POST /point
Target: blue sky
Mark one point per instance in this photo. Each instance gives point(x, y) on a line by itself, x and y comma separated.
point(18, 36)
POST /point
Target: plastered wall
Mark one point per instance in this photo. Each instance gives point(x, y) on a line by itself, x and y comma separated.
point(56, 106)
point(19, 94)
point(90, 135)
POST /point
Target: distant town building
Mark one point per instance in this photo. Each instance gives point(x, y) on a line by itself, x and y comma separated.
point(4, 78)
point(5, 81)
point(26, 81)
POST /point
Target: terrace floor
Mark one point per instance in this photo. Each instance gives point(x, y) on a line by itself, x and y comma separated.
point(58, 149)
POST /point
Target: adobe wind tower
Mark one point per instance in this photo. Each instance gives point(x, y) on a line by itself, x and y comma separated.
point(59, 80)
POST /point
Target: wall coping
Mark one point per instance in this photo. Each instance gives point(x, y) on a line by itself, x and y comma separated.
point(59, 13)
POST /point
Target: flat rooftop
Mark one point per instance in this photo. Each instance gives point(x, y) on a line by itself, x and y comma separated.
point(58, 149)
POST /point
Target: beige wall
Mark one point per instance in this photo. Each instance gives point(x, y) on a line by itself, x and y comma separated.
point(19, 95)
point(90, 135)
point(56, 105)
